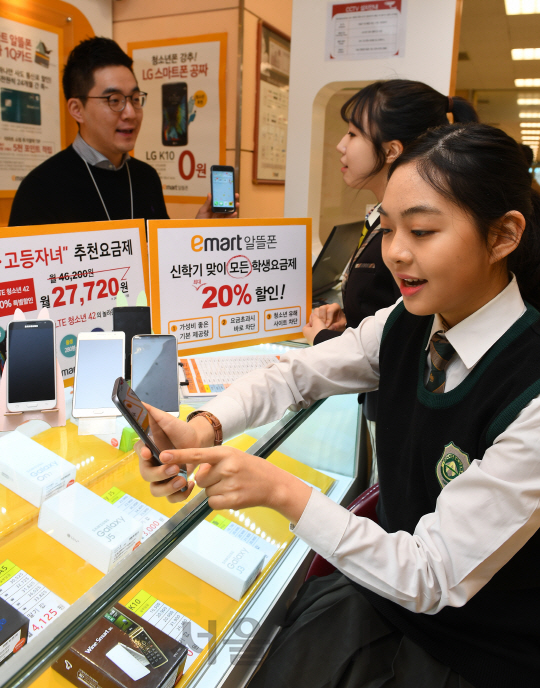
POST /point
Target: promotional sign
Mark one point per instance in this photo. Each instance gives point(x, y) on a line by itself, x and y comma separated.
point(365, 30)
point(183, 131)
point(219, 285)
point(76, 270)
point(30, 125)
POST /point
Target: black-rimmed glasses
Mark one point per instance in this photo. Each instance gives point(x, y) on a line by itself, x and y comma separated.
point(117, 101)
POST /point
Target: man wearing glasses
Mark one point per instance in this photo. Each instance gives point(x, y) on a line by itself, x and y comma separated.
point(95, 178)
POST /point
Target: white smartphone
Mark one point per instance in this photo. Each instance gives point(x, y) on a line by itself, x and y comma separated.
point(31, 369)
point(99, 361)
point(154, 370)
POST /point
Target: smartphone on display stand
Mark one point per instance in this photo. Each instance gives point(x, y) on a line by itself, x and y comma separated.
point(31, 370)
point(222, 185)
point(131, 407)
point(99, 361)
point(154, 371)
point(174, 124)
point(131, 320)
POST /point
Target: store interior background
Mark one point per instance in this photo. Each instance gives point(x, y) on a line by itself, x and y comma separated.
point(482, 71)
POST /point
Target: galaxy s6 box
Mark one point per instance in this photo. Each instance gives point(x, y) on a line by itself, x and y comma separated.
point(219, 559)
point(122, 650)
point(13, 630)
point(30, 470)
point(90, 527)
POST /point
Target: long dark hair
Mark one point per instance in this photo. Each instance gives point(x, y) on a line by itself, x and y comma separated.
point(482, 170)
point(400, 109)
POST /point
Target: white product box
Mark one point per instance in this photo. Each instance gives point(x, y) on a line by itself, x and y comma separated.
point(219, 559)
point(30, 470)
point(90, 527)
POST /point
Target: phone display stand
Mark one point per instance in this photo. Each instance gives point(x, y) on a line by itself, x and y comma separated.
point(55, 417)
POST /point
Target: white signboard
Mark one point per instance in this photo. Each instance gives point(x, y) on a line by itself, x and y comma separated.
point(365, 30)
point(217, 286)
point(183, 131)
point(76, 270)
point(30, 122)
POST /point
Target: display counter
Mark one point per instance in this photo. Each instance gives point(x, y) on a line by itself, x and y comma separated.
point(64, 595)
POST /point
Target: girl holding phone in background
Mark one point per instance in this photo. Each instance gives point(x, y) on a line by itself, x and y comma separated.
point(444, 592)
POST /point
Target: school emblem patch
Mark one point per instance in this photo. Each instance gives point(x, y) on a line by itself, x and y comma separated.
point(452, 463)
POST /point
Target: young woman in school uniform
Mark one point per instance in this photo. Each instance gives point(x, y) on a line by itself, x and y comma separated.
point(382, 118)
point(445, 591)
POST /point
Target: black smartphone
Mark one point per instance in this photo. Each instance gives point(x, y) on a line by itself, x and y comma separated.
point(31, 370)
point(131, 407)
point(154, 366)
point(174, 114)
point(222, 185)
point(131, 320)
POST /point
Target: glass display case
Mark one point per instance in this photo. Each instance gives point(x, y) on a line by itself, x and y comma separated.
point(63, 594)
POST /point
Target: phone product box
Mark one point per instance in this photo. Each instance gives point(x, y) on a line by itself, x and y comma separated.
point(123, 651)
point(32, 471)
point(219, 559)
point(90, 527)
point(13, 630)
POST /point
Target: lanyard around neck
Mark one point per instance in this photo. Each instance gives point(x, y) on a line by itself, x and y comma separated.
point(99, 192)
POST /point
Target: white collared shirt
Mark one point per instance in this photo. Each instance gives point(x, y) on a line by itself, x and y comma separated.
point(94, 157)
point(482, 518)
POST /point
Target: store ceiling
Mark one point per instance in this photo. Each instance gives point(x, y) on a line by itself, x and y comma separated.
point(486, 67)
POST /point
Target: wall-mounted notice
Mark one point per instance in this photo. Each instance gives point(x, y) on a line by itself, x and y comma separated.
point(30, 123)
point(183, 133)
point(365, 30)
point(76, 270)
point(219, 285)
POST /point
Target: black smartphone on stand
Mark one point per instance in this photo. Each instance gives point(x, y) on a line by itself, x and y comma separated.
point(31, 370)
point(131, 320)
point(131, 407)
point(154, 371)
point(222, 185)
point(174, 125)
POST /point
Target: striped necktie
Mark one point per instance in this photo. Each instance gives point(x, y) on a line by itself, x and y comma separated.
point(441, 352)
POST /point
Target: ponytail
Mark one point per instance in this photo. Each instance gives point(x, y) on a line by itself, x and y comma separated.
point(463, 111)
point(483, 171)
point(402, 110)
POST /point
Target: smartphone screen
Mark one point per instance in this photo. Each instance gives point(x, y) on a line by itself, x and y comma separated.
point(174, 114)
point(131, 320)
point(31, 361)
point(99, 363)
point(155, 370)
point(222, 181)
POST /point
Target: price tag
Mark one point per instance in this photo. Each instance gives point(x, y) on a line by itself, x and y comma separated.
point(31, 598)
point(150, 519)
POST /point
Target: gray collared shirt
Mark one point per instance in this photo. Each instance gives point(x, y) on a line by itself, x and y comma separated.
point(94, 157)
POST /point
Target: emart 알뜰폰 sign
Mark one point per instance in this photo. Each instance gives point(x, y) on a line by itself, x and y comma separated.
point(217, 285)
point(77, 271)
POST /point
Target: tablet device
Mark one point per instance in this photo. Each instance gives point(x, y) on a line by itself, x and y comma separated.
point(99, 361)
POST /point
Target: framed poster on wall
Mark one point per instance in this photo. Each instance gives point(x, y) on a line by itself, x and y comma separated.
point(271, 105)
point(31, 120)
point(183, 133)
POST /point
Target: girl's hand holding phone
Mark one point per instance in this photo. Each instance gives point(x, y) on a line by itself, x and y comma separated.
point(232, 478)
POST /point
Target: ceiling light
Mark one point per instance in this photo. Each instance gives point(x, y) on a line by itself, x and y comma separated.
point(520, 83)
point(525, 53)
point(529, 132)
point(528, 101)
point(522, 6)
point(529, 114)
point(529, 124)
